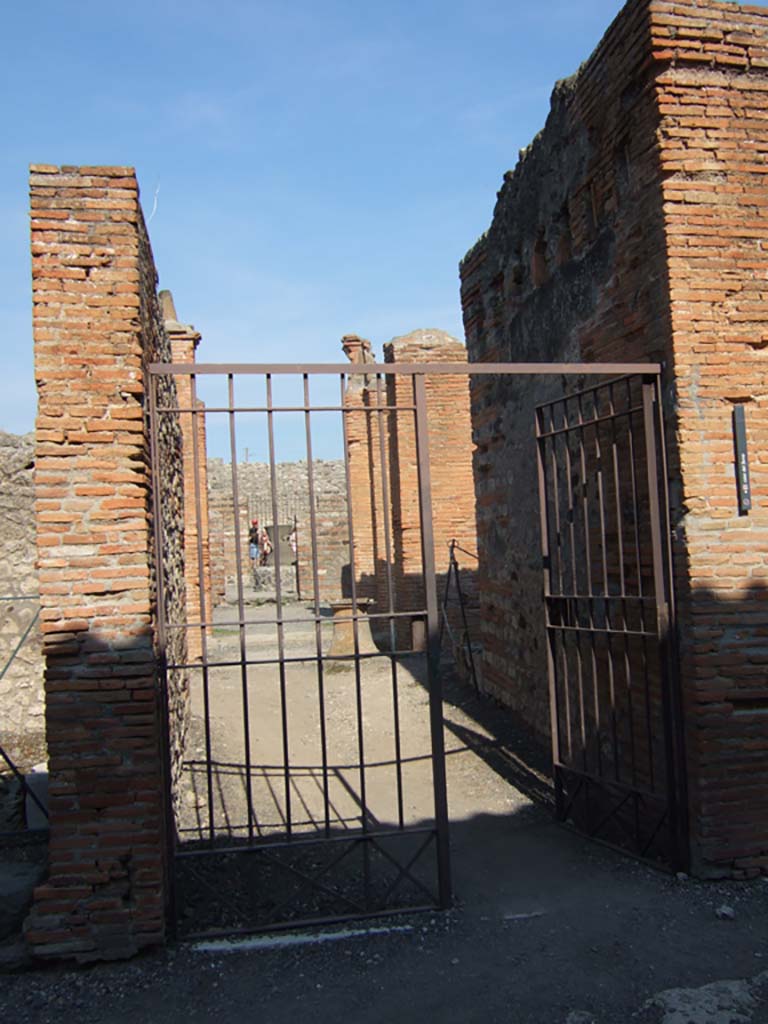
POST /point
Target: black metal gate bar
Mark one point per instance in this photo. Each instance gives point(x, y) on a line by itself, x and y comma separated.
point(597, 617)
point(316, 606)
point(381, 405)
point(356, 644)
point(206, 683)
point(433, 642)
point(279, 607)
point(665, 617)
point(244, 695)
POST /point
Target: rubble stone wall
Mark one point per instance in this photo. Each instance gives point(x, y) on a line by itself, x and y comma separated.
point(22, 705)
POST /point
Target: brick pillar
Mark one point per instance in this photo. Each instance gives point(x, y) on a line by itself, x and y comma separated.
point(450, 454)
point(96, 324)
point(184, 340)
point(710, 88)
point(364, 454)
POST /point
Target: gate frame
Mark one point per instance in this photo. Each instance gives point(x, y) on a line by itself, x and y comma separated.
point(662, 575)
point(662, 558)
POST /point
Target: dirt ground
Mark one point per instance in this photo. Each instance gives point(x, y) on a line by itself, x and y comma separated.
point(547, 927)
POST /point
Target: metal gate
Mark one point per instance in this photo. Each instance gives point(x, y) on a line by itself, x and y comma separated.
point(298, 777)
point(308, 778)
point(616, 723)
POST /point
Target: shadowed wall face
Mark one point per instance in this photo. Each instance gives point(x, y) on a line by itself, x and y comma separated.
point(633, 229)
point(96, 326)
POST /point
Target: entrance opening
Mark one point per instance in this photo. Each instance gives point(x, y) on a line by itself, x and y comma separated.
point(305, 751)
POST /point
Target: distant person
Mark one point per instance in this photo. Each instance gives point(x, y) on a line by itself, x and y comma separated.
point(253, 541)
point(293, 540)
point(266, 547)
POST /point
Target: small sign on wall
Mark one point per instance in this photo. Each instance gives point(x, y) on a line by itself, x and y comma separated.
point(743, 486)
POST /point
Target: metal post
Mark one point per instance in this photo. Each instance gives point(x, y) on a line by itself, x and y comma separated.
point(433, 643)
point(668, 644)
point(661, 588)
point(546, 562)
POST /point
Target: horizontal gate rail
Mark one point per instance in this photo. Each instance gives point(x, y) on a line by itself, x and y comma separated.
point(408, 369)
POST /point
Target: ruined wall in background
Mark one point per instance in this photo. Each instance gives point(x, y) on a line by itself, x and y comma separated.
point(450, 464)
point(382, 450)
point(292, 498)
point(96, 325)
point(22, 707)
point(633, 229)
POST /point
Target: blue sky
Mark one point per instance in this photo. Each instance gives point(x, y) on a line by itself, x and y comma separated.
point(318, 167)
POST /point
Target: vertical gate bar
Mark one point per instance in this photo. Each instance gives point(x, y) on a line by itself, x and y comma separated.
point(546, 546)
point(568, 431)
point(356, 646)
point(586, 513)
point(464, 622)
point(433, 642)
point(561, 638)
point(640, 591)
point(240, 604)
point(622, 581)
point(203, 617)
point(662, 588)
point(169, 871)
point(651, 761)
point(563, 438)
point(279, 607)
point(385, 501)
point(601, 501)
point(316, 607)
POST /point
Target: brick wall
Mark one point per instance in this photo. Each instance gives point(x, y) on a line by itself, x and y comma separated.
point(96, 325)
point(711, 82)
point(632, 229)
point(393, 503)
